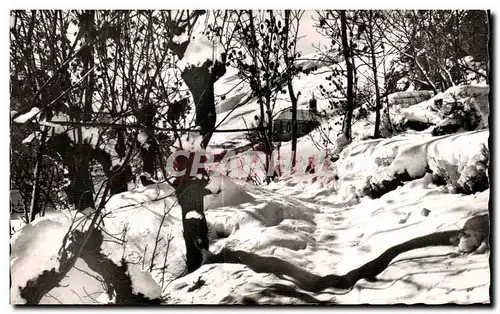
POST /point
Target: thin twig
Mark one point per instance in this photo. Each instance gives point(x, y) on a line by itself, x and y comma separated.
point(53, 297)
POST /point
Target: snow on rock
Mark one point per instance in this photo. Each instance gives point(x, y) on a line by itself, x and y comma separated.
point(436, 110)
point(374, 161)
point(142, 282)
point(34, 249)
point(199, 50)
point(141, 217)
point(27, 116)
point(475, 96)
point(409, 98)
point(421, 112)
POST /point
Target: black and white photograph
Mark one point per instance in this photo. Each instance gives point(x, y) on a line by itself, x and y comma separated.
point(250, 157)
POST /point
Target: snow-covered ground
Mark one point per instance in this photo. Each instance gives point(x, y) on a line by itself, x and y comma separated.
point(301, 227)
point(294, 230)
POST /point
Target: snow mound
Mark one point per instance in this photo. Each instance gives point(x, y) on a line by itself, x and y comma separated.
point(260, 210)
point(145, 218)
point(374, 161)
point(134, 223)
point(225, 193)
point(34, 249)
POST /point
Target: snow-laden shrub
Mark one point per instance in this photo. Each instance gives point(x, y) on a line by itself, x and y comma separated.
point(448, 126)
point(459, 114)
point(445, 173)
point(472, 178)
point(465, 111)
point(462, 107)
point(375, 186)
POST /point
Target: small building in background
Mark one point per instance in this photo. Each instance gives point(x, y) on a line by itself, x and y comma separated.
point(306, 122)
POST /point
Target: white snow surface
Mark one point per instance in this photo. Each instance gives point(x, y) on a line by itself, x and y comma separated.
point(27, 116)
point(34, 249)
point(179, 39)
point(305, 225)
point(199, 50)
point(143, 282)
point(193, 215)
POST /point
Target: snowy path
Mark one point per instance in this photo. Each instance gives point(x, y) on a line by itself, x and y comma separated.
point(337, 240)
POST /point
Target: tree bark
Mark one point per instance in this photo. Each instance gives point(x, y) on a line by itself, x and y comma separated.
point(200, 81)
point(87, 21)
point(35, 206)
point(346, 50)
point(378, 104)
point(291, 92)
point(148, 156)
point(190, 193)
point(188, 189)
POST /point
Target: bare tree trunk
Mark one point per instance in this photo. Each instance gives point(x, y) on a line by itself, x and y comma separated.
point(346, 50)
point(189, 189)
point(269, 141)
point(35, 206)
point(200, 81)
point(293, 99)
point(190, 195)
point(378, 104)
point(264, 102)
point(294, 123)
point(87, 21)
point(148, 155)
